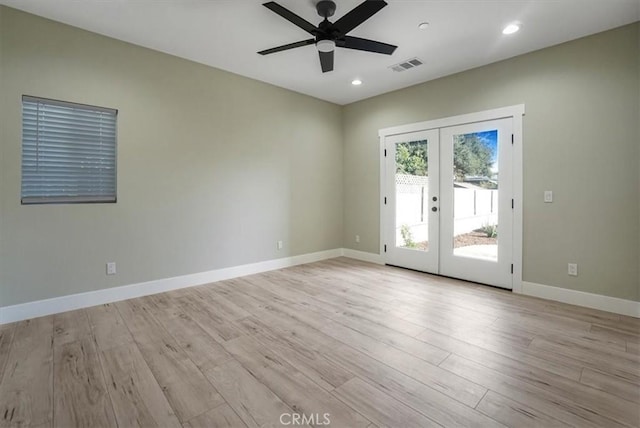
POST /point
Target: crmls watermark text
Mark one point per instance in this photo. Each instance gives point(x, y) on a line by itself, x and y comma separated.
point(315, 419)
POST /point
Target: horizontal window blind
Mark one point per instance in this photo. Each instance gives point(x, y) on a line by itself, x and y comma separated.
point(68, 152)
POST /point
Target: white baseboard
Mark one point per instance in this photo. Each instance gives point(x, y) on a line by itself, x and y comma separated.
point(56, 305)
point(580, 298)
point(361, 255)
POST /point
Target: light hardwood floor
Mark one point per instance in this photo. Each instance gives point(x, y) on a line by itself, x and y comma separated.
point(366, 345)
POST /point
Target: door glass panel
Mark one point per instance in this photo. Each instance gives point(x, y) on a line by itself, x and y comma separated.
point(475, 195)
point(412, 195)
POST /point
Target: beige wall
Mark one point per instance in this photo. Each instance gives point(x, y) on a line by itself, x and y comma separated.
point(581, 140)
point(213, 168)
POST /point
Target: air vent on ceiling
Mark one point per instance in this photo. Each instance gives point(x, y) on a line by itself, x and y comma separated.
point(406, 65)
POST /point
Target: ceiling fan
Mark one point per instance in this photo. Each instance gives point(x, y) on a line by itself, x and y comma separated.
point(328, 35)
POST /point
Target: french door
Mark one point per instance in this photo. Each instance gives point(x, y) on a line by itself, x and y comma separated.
point(412, 181)
point(448, 206)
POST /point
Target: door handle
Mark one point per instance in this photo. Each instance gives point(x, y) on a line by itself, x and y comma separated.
point(434, 209)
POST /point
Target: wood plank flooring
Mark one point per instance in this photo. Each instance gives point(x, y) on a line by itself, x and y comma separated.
point(352, 343)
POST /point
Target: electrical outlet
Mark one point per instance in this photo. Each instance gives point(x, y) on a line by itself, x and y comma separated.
point(111, 268)
point(279, 245)
point(548, 196)
point(572, 269)
point(357, 238)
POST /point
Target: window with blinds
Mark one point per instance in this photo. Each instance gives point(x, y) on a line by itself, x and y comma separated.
point(68, 152)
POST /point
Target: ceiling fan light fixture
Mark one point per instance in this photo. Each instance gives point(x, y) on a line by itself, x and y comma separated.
point(325, 45)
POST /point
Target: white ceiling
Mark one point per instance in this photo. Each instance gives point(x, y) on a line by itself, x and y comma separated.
point(226, 34)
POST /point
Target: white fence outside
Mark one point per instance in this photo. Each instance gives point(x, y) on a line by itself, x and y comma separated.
point(473, 208)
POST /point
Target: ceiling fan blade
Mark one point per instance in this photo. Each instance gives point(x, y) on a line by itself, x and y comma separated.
point(357, 16)
point(291, 17)
point(326, 61)
point(357, 43)
point(287, 47)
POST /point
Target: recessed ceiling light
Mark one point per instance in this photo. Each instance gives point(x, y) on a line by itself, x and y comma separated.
point(511, 28)
point(356, 82)
point(423, 25)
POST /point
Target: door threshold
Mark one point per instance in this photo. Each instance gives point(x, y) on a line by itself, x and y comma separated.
point(450, 277)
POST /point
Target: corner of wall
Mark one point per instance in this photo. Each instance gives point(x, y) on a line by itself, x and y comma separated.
point(2, 139)
point(343, 141)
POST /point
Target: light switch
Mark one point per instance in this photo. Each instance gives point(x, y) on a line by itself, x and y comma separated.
point(548, 196)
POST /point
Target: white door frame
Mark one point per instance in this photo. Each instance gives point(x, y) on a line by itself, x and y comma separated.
point(516, 112)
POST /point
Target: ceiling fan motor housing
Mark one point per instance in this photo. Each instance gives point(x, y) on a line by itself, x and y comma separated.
point(326, 31)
